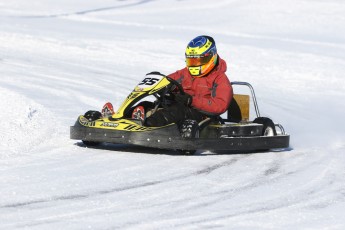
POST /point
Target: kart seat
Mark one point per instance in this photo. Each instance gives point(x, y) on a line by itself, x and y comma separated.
point(238, 109)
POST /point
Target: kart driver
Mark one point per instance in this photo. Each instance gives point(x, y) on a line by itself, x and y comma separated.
point(208, 91)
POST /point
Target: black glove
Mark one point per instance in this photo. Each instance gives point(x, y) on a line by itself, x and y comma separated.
point(185, 99)
point(169, 96)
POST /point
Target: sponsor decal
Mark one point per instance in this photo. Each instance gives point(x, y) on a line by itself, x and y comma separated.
point(108, 124)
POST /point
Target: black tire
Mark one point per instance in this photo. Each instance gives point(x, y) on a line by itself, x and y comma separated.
point(92, 115)
point(91, 143)
point(187, 152)
point(189, 129)
point(268, 126)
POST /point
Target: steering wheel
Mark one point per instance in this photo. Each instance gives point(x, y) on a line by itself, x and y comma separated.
point(164, 96)
point(175, 83)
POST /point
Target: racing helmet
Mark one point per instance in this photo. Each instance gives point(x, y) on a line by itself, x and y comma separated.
point(201, 55)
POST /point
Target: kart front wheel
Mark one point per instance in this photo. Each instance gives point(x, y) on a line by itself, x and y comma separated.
point(91, 143)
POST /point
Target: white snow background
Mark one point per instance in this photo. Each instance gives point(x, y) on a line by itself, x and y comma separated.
point(59, 59)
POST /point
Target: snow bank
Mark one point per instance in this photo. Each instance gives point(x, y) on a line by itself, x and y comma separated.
point(24, 123)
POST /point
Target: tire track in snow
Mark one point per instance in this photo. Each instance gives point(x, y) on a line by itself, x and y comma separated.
point(274, 168)
point(83, 12)
point(56, 218)
point(207, 170)
point(320, 187)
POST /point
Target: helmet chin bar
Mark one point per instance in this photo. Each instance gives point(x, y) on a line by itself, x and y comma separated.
point(200, 71)
point(195, 71)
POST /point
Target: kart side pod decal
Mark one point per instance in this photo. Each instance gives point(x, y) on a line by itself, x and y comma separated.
point(109, 124)
point(123, 125)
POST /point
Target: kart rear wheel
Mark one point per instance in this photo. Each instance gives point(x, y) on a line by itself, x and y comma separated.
point(268, 126)
point(189, 129)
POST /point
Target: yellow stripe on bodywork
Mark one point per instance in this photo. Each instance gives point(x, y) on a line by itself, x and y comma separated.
point(125, 104)
point(138, 92)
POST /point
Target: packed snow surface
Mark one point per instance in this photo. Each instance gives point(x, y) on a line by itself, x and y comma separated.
point(59, 59)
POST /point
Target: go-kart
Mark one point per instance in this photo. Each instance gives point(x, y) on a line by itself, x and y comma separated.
point(235, 132)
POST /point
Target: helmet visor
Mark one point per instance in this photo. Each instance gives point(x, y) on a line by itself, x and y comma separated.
point(192, 60)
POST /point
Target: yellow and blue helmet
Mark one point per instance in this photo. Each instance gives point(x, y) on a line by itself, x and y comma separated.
point(201, 55)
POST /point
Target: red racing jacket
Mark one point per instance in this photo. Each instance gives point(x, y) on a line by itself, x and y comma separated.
point(212, 93)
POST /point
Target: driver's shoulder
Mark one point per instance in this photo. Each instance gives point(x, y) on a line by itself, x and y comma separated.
point(180, 75)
